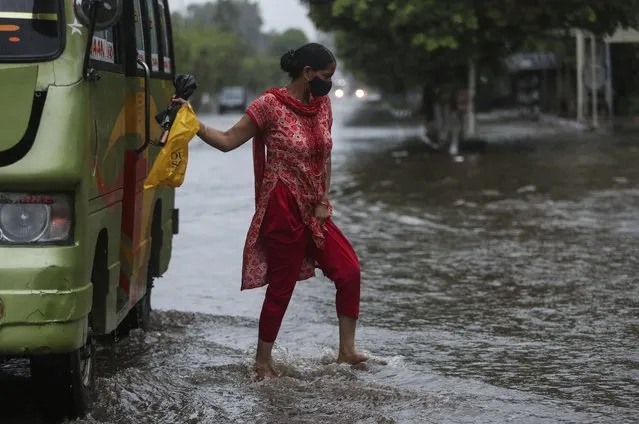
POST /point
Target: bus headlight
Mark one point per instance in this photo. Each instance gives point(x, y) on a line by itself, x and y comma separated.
point(27, 218)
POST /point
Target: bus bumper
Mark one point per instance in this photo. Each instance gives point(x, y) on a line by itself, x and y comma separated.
point(41, 310)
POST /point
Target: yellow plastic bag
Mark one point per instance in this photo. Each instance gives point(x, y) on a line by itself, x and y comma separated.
point(170, 166)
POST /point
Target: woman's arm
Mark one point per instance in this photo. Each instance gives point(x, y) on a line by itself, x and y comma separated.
point(240, 133)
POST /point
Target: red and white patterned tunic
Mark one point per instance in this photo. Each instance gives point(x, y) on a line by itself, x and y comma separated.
point(298, 143)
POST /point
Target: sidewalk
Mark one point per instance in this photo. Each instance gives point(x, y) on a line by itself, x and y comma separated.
point(503, 126)
point(499, 126)
point(626, 124)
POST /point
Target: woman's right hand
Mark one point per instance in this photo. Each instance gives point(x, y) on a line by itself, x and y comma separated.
point(203, 128)
point(179, 100)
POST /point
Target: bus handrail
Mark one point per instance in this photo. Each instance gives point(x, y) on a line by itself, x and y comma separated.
point(147, 106)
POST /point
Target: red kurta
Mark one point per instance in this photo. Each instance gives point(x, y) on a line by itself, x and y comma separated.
point(298, 143)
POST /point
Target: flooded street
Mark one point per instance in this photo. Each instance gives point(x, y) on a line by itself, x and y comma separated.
point(501, 288)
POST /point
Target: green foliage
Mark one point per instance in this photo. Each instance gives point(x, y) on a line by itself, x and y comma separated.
point(403, 43)
point(214, 56)
point(261, 71)
point(289, 39)
point(222, 44)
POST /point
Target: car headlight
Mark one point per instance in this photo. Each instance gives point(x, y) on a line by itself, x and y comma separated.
point(28, 218)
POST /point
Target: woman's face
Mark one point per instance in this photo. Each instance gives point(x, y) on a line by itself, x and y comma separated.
point(326, 74)
point(319, 82)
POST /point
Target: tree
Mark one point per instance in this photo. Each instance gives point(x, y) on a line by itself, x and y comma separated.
point(399, 44)
point(289, 39)
point(260, 72)
point(222, 44)
point(213, 56)
point(199, 14)
point(240, 17)
point(226, 15)
point(454, 30)
point(249, 24)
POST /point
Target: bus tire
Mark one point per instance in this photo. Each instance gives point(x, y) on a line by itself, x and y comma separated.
point(66, 381)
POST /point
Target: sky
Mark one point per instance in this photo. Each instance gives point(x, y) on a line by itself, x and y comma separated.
point(276, 14)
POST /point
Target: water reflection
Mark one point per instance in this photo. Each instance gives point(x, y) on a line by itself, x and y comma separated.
point(524, 262)
point(500, 288)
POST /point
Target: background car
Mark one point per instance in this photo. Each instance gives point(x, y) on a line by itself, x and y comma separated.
point(232, 99)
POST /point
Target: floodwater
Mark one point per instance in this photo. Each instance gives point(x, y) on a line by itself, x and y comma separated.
point(500, 287)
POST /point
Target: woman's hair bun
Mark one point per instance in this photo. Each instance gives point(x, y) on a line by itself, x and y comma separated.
point(287, 62)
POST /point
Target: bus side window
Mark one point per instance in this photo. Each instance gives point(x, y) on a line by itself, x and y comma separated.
point(139, 32)
point(104, 48)
point(153, 35)
point(163, 12)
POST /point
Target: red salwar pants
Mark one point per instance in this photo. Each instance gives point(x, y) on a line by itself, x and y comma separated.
point(288, 241)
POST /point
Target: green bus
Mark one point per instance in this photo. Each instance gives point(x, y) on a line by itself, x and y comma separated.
point(81, 241)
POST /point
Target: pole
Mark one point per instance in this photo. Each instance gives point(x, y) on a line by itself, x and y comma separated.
point(472, 84)
point(580, 75)
point(594, 90)
point(609, 99)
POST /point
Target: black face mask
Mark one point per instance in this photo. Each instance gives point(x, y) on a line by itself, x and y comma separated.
point(320, 87)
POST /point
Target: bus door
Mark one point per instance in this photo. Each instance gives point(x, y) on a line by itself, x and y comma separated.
point(142, 103)
point(162, 71)
point(108, 144)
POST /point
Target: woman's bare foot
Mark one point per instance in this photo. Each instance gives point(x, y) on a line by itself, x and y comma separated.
point(264, 361)
point(266, 371)
point(347, 352)
point(352, 358)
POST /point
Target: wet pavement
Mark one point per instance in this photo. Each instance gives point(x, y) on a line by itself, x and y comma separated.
point(499, 286)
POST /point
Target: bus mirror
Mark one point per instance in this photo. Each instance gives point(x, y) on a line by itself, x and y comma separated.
point(107, 14)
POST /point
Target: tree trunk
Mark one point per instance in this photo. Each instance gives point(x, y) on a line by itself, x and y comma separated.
point(430, 114)
point(472, 87)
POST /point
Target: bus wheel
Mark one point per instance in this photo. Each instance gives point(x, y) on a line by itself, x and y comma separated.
point(66, 381)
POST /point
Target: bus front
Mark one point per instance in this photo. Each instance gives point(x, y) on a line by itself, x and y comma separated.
point(45, 292)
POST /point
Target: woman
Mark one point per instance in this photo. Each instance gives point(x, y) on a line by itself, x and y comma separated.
point(292, 233)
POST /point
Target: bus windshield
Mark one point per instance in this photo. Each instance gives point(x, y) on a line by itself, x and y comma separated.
point(30, 30)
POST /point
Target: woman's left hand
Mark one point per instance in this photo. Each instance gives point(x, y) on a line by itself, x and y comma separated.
point(321, 214)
